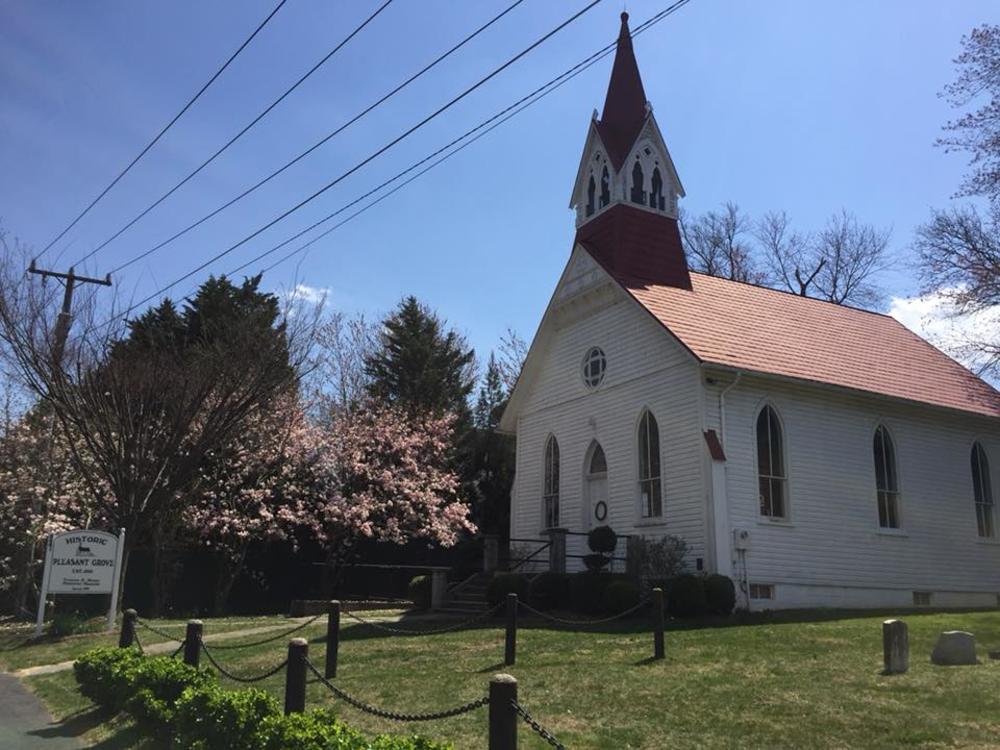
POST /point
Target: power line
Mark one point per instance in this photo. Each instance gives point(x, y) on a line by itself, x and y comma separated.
point(166, 127)
point(364, 161)
point(239, 135)
point(323, 140)
point(489, 124)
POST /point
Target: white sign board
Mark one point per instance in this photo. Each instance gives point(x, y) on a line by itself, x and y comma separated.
point(82, 562)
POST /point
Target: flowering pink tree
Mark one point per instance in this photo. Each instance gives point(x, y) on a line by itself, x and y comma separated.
point(40, 494)
point(385, 476)
point(246, 486)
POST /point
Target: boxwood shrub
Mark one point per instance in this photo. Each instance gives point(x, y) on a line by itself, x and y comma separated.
point(686, 596)
point(502, 584)
point(619, 596)
point(156, 684)
point(720, 594)
point(550, 591)
point(419, 591)
point(587, 590)
point(105, 675)
point(209, 718)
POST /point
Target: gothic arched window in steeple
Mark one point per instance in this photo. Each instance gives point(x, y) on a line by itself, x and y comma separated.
point(605, 188)
point(591, 189)
point(656, 194)
point(638, 194)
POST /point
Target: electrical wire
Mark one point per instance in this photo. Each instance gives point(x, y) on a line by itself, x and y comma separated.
point(236, 137)
point(323, 140)
point(362, 163)
point(166, 127)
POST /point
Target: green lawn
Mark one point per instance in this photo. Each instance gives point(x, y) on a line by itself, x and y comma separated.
point(778, 684)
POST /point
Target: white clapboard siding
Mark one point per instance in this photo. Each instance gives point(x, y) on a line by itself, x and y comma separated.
point(832, 552)
point(645, 369)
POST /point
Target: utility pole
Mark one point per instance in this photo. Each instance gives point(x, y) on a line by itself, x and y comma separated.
point(69, 281)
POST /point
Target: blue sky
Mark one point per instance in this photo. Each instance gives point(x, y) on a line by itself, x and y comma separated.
point(801, 106)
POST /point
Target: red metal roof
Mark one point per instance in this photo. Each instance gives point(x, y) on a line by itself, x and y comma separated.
point(636, 245)
point(754, 328)
point(624, 111)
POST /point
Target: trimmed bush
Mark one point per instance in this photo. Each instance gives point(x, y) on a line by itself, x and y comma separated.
point(419, 591)
point(319, 729)
point(602, 539)
point(210, 718)
point(157, 683)
point(720, 594)
point(587, 590)
point(72, 623)
point(506, 583)
point(550, 591)
point(105, 675)
point(686, 596)
point(620, 596)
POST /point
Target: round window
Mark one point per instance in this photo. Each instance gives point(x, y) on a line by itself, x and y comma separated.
point(594, 365)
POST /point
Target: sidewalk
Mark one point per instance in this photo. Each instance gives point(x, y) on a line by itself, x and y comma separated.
point(24, 722)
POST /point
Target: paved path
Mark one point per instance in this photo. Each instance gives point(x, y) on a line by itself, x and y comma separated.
point(24, 722)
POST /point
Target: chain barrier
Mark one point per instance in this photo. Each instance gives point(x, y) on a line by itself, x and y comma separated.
point(574, 622)
point(240, 678)
point(536, 727)
point(157, 631)
point(270, 639)
point(428, 631)
point(393, 715)
point(179, 649)
point(135, 640)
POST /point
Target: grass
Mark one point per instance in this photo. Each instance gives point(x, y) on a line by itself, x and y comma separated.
point(776, 684)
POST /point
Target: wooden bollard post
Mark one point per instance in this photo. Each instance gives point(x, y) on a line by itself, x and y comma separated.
point(127, 637)
point(503, 717)
point(192, 642)
point(332, 639)
point(659, 652)
point(895, 647)
point(510, 641)
point(295, 676)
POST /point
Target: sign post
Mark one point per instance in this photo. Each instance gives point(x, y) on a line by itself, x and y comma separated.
point(82, 562)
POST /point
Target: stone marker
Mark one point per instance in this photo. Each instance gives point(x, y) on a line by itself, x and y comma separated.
point(955, 647)
point(895, 647)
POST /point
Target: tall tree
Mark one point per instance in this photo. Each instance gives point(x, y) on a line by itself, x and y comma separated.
point(977, 132)
point(718, 243)
point(959, 248)
point(420, 366)
point(493, 454)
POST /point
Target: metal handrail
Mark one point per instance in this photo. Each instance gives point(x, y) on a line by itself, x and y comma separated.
point(529, 557)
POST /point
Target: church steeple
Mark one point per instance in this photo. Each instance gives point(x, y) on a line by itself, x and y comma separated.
point(626, 188)
point(625, 159)
point(625, 109)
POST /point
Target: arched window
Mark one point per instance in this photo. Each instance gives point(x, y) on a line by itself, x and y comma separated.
point(886, 479)
point(605, 188)
point(771, 478)
point(983, 491)
point(591, 190)
point(656, 194)
point(550, 494)
point(650, 492)
point(638, 194)
point(598, 463)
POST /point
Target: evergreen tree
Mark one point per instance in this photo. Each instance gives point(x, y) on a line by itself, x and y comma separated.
point(492, 461)
point(421, 367)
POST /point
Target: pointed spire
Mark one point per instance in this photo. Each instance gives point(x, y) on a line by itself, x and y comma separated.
point(625, 104)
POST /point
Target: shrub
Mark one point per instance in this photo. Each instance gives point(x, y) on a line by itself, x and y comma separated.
point(686, 596)
point(659, 559)
point(587, 590)
point(550, 591)
point(506, 583)
point(71, 623)
point(619, 596)
point(319, 729)
point(602, 539)
point(419, 591)
point(210, 718)
point(157, 683)
point(720, 594)
point(104, 675)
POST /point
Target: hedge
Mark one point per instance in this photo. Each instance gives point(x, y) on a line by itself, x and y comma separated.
point(171, 699)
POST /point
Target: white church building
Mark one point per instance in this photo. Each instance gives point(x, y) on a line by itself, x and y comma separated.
point(818, 454)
